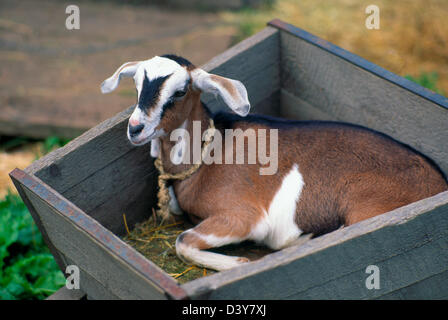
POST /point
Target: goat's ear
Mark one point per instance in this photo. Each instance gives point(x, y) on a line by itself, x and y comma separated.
point(126, 70)
point(233, 92)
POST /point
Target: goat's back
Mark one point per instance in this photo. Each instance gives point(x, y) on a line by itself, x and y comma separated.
point(350, 172)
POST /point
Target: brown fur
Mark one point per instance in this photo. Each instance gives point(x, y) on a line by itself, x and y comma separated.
point(350, 175)
point(132, 63)
point(225, 84)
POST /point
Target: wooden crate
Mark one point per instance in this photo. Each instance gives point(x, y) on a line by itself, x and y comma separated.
point(77, 194)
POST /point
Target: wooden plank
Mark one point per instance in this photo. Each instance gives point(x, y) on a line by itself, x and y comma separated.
point(293, 107)
point(125, 186)
point(339, 89)
point(95, 149)
point(101, 254)
point(93, 258)
point(35, 215)
point(79, 171)
point(361, 62)
point(67, 294)
point(408, 245)
point(255, 62)
point(96, 290)
point(433, 287)
point(269, 106)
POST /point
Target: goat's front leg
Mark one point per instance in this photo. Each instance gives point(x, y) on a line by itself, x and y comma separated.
point(211, 233)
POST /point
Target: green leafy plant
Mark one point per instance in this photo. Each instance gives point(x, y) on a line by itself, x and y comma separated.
point(427, 80)
point(27, 269)
point(52, 143)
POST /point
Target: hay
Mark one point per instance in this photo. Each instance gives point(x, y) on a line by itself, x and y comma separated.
point(157, 243)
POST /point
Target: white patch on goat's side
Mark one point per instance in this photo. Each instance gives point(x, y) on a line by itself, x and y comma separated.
point(174, 205)
point(278, 228)
point(208, 259)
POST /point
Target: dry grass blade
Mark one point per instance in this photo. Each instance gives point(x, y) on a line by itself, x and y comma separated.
point(158, 244)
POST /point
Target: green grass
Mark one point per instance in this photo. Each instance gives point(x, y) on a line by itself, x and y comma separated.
point(27, 268)
point(427, 80)
point(52, 143)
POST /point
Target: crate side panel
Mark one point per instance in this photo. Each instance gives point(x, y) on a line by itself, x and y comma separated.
point(95, 289)
point(82, 250)
point(269, 106)
point(83, 156)
point(342, 91)
point(67, 294)
point(408, 245)
point(431, 288)
point(103, 174)
point(254, 62)
point(404, 269)
point(35, 215)
point(125, 186)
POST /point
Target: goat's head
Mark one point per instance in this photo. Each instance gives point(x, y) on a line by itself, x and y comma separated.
point(167, 89)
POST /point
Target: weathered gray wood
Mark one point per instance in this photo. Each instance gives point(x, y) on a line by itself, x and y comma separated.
point(101, 145)
point(125, 186)
point(36, 217)
point(269, 106)
point(342, 91)
point(67, 294)
point(79, 171)
point(254, 62)
point(293, 107)
point(433, 288)
point(99, 169)
point(92, 257)
point(96, 289)
point(408, 244)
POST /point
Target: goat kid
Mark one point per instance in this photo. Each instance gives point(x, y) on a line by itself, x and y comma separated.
point(329, 174)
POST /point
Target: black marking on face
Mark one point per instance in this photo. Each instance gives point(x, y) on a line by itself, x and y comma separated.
point(179, 60)
point(150, 92)
point(174, 98)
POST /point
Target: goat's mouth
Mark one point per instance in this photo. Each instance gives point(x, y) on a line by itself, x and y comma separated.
point(141, 140)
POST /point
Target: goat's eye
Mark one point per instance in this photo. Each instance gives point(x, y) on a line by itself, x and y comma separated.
point(179, 93)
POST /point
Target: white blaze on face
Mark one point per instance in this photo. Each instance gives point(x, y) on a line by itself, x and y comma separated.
point(150, 116)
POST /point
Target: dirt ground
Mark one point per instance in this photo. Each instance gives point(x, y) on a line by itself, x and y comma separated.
point(49, 71)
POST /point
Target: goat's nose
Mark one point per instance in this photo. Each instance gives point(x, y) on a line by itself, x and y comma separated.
point(135, 130)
